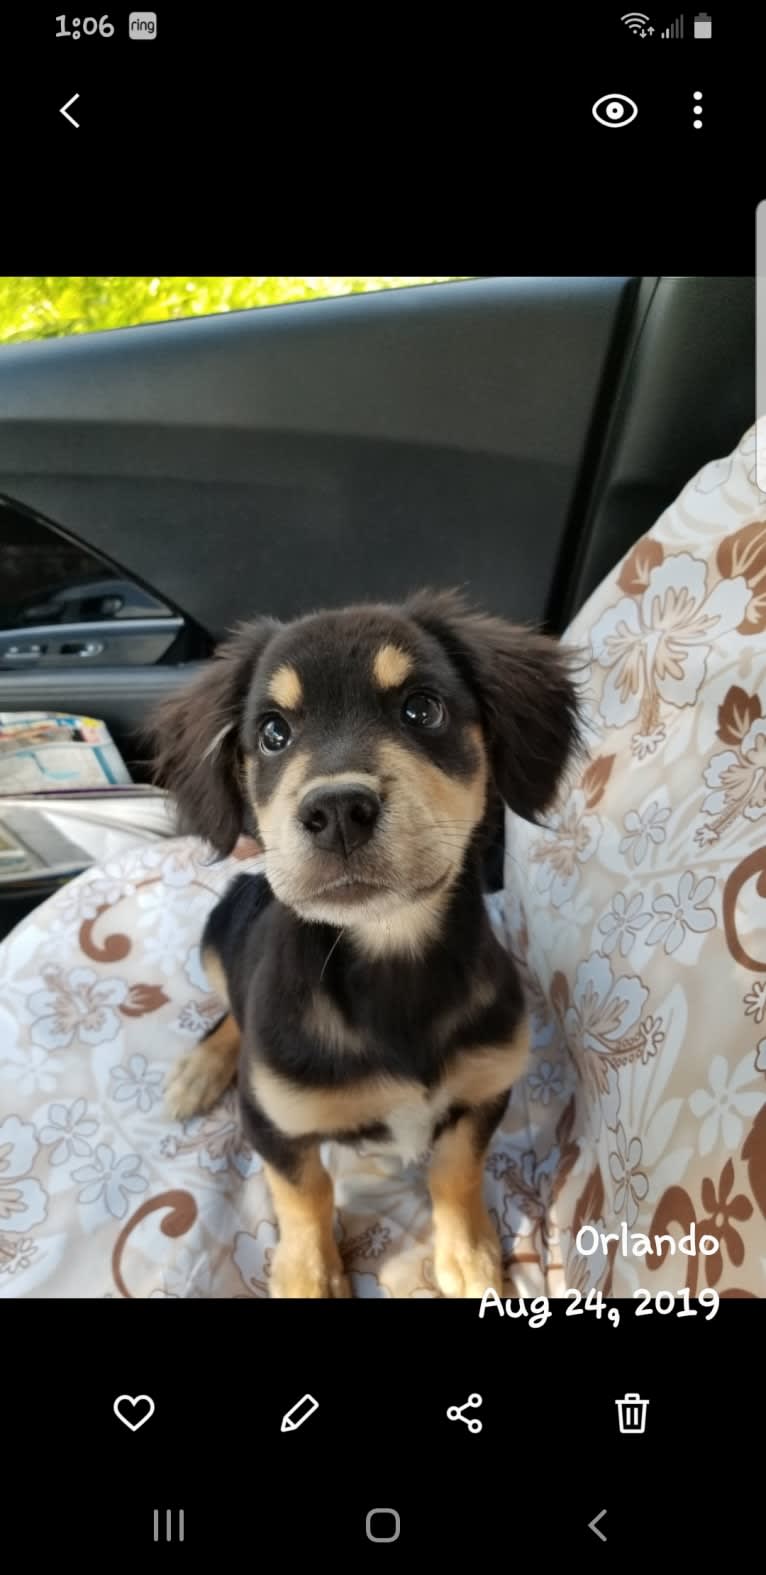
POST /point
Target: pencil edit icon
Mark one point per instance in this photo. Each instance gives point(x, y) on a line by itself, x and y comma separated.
point(299, 1413)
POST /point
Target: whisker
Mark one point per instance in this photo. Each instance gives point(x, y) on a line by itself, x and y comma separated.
point(329, 954)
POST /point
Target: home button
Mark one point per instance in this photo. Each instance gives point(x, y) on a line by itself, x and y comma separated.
point(383, 1525)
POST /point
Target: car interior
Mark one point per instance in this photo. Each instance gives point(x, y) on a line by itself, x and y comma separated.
point(513, 436)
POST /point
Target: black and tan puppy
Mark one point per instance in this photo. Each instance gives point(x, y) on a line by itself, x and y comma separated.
point(368, 996)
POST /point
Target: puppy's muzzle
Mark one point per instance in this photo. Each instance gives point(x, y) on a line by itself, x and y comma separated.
point(340, 819)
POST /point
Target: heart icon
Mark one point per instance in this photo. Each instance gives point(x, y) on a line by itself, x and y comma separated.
point(133, 1404)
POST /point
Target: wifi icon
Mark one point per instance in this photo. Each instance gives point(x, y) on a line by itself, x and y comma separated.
point(636, 22)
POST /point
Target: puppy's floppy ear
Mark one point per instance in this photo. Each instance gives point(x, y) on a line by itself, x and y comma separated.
point(195, 740)
point(524, 684)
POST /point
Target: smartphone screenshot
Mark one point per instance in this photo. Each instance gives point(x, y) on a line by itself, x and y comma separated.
point(383, 785)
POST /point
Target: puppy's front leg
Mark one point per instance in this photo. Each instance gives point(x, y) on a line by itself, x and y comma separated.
point(199, 1080)
point(467, 1260)
point(306, 1262)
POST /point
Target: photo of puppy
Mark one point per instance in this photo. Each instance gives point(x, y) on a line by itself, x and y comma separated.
point(368, 998)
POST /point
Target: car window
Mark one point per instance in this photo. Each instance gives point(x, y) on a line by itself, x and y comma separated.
point(37, 307)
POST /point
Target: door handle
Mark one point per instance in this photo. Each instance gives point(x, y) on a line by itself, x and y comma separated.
point(116, 642)
point(81, 648)
point(22, 655)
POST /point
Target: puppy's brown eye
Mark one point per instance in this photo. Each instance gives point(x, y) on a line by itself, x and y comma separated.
point(273, 734)
point(424, 710)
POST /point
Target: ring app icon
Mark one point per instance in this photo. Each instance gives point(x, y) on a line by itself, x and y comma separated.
point(615, 109)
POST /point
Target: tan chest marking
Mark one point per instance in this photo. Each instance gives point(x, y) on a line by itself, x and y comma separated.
point(476, 1076)
point(298, 1111)
point(323, 1021)
point(407, 1108)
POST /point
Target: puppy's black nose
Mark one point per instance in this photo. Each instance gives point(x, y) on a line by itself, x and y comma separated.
point(340, 819)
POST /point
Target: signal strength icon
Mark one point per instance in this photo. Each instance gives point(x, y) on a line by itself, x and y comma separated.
point(636, 22)
point(676, 29)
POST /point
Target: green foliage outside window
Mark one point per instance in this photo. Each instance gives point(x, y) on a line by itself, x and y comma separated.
point(46, 308)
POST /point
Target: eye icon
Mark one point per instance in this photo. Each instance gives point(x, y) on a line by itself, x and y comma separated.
point(614, 109)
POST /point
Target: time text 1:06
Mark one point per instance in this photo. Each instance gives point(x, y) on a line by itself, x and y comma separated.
point(89, 25)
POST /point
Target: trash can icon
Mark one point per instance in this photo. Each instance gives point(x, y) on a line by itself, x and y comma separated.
point(631, 1412)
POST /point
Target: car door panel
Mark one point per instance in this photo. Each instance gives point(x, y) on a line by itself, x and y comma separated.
point(279, 459)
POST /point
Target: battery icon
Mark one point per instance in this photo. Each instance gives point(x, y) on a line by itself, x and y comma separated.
point(703, 25)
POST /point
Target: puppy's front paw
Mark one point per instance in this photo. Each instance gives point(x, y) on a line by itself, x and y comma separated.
point(467, 1265)
point(196, 1083)
point(313, 1275)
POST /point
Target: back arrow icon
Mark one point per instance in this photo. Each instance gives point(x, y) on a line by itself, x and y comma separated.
point(593, 1524)
point(68, 105)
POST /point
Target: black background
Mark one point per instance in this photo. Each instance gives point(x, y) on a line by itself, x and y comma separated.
point(549, 1458)
point(445, 141)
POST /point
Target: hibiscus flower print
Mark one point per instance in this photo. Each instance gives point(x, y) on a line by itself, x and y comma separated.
point(77, 1007)
point(723, 1210)
point(110, 1181)
point(571, 839)
point(33, 1071)
point(79, 902)
point(654, 646)
point(725, 1104)
point(23, 1203)
point(528, 1187)
point(132, 868)
point(16, 1254)
point(166, 944)
point(196, 1018)
point(714, 475)
point(705, 836)
point(641, 831)
point(218, 1141)
point(605, 1011)
point(253, 1256)
point(755, 1001)
point(137, 1083)
point(179, 868)
point(738, 781)
point(652, 1037)
point(602, 1026)
point(585, 1272)
point(643, 745)
point(195, 972)
point(545, 1083)
point(68, 1130)
point(743, 552)
point(631, 1182)
point(623, 923)
point(370, 1243)
point(682, 911)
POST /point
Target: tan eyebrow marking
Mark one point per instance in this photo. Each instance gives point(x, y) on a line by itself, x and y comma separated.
point(286, 688)
point(391, 666)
